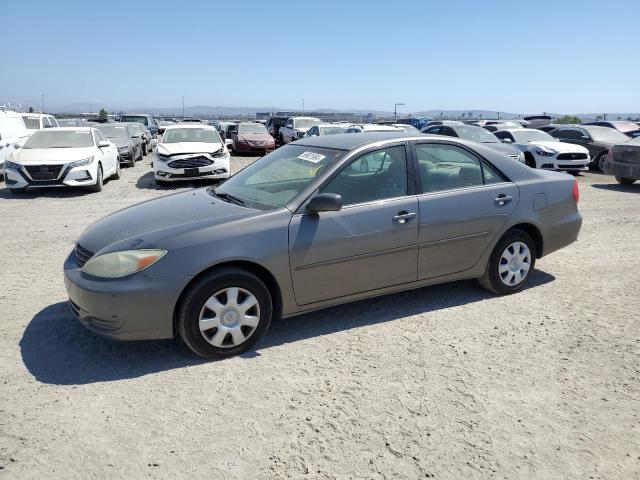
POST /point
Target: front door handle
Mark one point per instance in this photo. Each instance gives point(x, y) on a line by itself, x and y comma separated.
point(502, 199)
point(403, 217)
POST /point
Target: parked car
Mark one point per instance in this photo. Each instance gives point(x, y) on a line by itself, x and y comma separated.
point(37, 121)
point(13, 134)
point(252, 137)
point(72, 122)
point(325, 129)
point(372, 127)
point(193, 120)
point(143, 134)
point(630, 129)
point(230, 129)
point(143, 119)
point(548, 128)
point(416, 122)
point(191, 152)
point(296, 127)
point(221, 128)
point(623, 161)
point(494, 127)
point(441, 122)
point(64, 156)
point(536, 121)
point(162, 124)
point(406, 127)
point(273, 126)
point(598, 140)
point(126, 140)
point(475, 134)
point(286, 234)
point(541, 150)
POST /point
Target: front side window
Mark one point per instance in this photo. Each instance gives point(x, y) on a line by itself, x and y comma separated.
point(373, 176)
point(447, 167)
point(53, 122)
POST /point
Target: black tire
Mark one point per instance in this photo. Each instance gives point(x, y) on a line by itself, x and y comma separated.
point(600, 161)
point(529, 160)
point(116, 175)
point(491, 280)
point(144, 151)
point(625, 180)
point(188, 312)
point(99, 182)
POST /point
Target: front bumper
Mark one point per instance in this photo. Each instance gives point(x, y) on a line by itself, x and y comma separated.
point(553, 163)
point(131, 308)
point(251, 148)
point(624, 170)
point(219, 170)
point(74, 177)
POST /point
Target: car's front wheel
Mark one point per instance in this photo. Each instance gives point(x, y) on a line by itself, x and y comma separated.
point(601, 161)
point(99, 181)
point(510, 264)
point(625, 180)
point(224, 313)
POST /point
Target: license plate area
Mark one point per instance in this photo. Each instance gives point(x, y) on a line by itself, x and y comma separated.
point(191, 172)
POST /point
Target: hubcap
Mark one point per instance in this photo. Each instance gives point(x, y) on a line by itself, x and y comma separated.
point(514, 264)
point(229, 317)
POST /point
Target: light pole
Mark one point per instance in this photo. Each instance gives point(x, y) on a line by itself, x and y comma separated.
point(303, 107)
point(42, 98)
point(183, 107)
point(395, 110)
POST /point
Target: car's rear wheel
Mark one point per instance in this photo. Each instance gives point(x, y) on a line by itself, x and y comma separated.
point(625, 180)
point(510, 264)
point(225, 313)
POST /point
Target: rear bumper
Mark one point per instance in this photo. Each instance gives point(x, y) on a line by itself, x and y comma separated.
point(561, 233)
point(130, 308)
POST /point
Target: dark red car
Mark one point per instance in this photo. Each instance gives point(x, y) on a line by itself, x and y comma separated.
point(251, 137)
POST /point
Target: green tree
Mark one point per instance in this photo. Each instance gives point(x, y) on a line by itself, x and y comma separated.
point(30, 109)
point(103, 113)
point(567, 119)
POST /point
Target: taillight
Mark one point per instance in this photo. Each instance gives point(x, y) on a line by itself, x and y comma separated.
point(576, 191)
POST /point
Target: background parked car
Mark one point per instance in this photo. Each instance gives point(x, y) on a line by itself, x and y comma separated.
point(273, 126)
point(548, 128)
point(630, 129)
point(73, 157)
point(541, 150)
point(494, 127)
point(623, 162)
point(126, 140)
point(72, 122)
point(148, 121)
point(252, 137)
point(37, 121)
point(13, 134)
point(535, 121)
point(296, 127)
point(144, 135)
point(475, 134)
point(162, 124)
point(372, 127)
point(598, 140)
point(325, 129)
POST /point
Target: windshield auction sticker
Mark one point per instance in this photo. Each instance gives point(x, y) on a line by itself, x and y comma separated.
point(311, 157)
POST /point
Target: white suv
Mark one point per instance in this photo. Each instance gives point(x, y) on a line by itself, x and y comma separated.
point(38, 121)
point(13, 134)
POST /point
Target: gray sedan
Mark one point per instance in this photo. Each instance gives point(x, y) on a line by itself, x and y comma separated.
point(322, 221)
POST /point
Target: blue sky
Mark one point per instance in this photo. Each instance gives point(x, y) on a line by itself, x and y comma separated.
point(516, 56)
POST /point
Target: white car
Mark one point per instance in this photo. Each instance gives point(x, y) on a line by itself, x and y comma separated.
point(372, 127)
point(541, 150)
point(59, 157)
point(191, 152)
point(13, 134)
point(296, 127)
point(38, 121)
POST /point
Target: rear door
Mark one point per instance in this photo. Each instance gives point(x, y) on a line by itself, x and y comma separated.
point(464, 204)
point(371, 243)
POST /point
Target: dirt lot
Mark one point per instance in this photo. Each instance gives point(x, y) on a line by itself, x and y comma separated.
point(447, 382)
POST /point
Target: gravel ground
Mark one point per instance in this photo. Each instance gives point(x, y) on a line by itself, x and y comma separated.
point(444, 382)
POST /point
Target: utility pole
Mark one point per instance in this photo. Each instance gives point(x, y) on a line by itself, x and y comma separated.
point(183, 107)
point(395, 110)
point(303, 106)
point(42, 98)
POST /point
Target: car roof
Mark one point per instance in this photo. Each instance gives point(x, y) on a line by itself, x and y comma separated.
point(136, 114)
point(518, 130)
point(585, 127)
point(199, 126)
point(75, 129)
point(350, 141)
point(28, 114)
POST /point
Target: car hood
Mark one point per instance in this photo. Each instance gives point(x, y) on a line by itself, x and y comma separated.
point(181, 148)
point(160, 218)
point(49, 156)
point(255, 137)
point(559, 147)
point(503, 148)
point(121, 142)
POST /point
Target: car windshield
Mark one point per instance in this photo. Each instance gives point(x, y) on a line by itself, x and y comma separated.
point(205, 135)
point(305, 122)
point(607, 135)
point(332, 130)
point(251, 128)
point(32, 123)
point(476, 134)
point(135, 118)
point(278, 177)
point(525, 136)
point(60, 139)
point(113, 131)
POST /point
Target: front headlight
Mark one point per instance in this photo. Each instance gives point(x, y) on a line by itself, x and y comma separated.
point(11, 165)
point(241, 140)
point(544, 152)
point(123, 148)
point(80, 163)
point(162, 158)
point(122, 264)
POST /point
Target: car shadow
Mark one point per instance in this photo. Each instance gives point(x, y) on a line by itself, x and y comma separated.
point(57, 349)
point(148, 182)
point(44, 192)
point(617, 187)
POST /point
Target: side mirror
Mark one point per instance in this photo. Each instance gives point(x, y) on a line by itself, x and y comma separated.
point(104, 144)
point(228, 142)
point(325, 202)
point(506, 140)
point(48, 126)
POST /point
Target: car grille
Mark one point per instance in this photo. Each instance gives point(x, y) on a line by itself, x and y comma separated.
point(571, 165)
point(257, 142)
point(82, 255)
point(193, 162)
point(572, 156)
point(43, 172)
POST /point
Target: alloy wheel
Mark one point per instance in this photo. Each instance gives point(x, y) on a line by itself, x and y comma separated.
point(514, 264)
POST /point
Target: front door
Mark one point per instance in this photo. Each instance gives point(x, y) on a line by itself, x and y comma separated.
point(370, 243)
point(465, 203)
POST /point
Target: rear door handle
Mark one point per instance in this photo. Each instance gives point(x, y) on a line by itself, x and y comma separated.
point(403, 217)
point(501, 200)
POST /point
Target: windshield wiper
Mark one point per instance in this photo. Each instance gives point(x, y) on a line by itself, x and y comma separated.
point(227, 197)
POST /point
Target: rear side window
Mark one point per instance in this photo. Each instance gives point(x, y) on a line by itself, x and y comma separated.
point(448, 167)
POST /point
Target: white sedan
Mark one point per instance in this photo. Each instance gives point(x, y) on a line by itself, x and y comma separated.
point(59, 157)
point(191, 152)
point(541, 150)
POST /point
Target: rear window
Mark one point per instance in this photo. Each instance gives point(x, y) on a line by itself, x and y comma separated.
point(141, 119)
